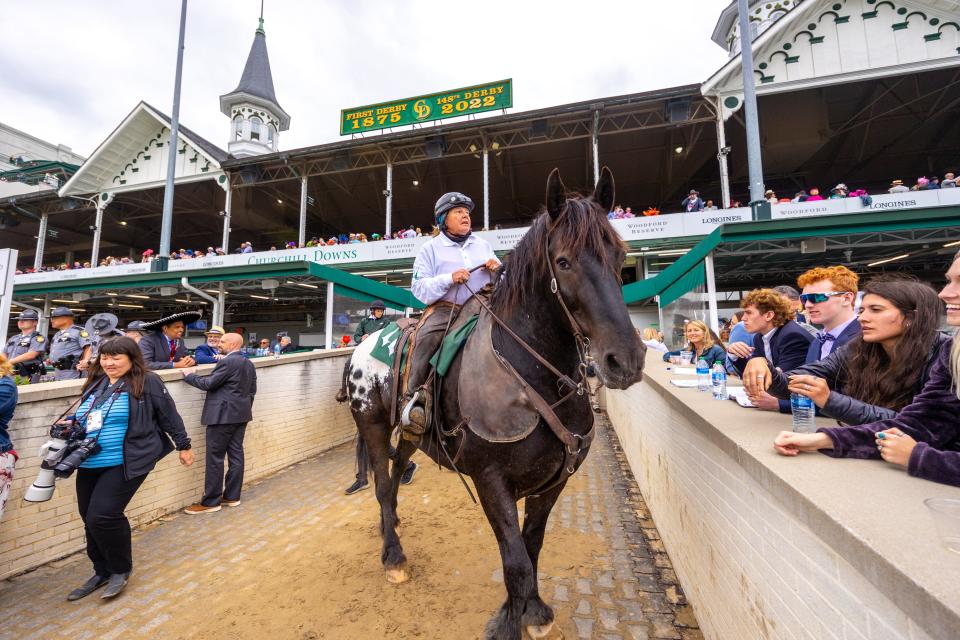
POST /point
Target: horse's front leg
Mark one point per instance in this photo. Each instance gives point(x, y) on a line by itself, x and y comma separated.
point(377, 437)
point(537, 615)
point(500, 508)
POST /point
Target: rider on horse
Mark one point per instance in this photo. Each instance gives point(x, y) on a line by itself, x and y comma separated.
point(444, 262)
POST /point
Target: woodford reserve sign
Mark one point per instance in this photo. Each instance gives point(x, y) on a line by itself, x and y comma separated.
point(436, 106)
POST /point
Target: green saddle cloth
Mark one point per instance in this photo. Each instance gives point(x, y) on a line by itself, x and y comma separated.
point(386, 348)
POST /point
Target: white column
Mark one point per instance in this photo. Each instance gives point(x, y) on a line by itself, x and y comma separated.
point(486, 189)
point(41, 242)
point(44, 325)
point(389, 191)
point(227, 208)
point(328, 320)
point(596, 147)
point(95, 252)
point(222, 304)
point(711, 294)
point(722, 158)
point(302, 238)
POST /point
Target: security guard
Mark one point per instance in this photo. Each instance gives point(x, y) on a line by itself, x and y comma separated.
point(25, 350)
point(372, 323)
point(70, 346)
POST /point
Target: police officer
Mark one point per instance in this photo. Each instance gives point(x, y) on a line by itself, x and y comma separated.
point(25, 350)
point(135, 330)
point(101, 327)
point(69, 347)
point(372, 323)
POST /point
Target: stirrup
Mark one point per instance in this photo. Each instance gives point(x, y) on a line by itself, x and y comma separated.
point(405, 414)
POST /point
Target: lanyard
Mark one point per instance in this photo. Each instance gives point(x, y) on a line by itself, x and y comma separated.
point(100, 400)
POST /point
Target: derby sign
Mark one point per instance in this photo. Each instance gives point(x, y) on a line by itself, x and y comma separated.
point(436, 106)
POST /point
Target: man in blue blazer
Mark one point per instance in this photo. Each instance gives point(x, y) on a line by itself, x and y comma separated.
point(779, 339)
point(162, 344)
point(829, 299)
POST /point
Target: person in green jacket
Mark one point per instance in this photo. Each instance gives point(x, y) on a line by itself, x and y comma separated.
point(372, 323)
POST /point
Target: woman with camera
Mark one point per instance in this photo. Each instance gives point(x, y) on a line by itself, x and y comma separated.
point(129, 420)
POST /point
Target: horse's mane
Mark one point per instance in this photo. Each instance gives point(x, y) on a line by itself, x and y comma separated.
point(581, 227)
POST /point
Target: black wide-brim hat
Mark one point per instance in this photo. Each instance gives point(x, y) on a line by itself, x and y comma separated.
point(187, 317)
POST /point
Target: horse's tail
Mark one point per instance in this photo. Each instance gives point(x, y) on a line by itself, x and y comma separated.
point(342, 395)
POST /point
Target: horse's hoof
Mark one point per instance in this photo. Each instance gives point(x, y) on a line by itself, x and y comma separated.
point(537, 632)
point(397, 575)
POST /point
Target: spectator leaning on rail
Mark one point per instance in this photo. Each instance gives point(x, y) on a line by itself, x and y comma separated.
point(134, 418)
point(209, 352)
point(779, 339)
point(702, 343)
point(227, 409)
point(924, 437)
point(877, 373)
point(443, 263)
point(372, 323)
point(829, 297)
point(163, 346)
point(692, 202)
point(8, 403)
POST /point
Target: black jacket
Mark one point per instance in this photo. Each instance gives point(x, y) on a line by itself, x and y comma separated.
point(156, 351)
point(788, 347)
point(230, 390)
point(153, 423)
point(834, 370)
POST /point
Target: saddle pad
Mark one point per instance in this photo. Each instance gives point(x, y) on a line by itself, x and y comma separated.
point(492, 403)
point(452, 343)
point(386, 345)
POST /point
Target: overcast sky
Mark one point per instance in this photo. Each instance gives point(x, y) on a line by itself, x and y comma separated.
point(72, 70)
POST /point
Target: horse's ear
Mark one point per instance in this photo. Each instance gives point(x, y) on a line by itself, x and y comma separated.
point(605, 191)
point(556, 194)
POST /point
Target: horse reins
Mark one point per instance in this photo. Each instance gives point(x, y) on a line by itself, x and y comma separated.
point(573, 443)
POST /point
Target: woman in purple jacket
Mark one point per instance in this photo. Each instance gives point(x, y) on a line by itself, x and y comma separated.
point(924, 438)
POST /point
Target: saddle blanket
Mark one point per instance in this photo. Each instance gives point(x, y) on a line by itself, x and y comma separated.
point(386, 347)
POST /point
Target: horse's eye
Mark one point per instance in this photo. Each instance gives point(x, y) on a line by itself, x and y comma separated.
point(563, 263)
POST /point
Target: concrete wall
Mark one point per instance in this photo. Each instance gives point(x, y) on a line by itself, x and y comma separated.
point(295, 417)
point(773, 547)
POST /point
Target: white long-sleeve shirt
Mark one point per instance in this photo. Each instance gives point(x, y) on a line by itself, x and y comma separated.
point(439, 258)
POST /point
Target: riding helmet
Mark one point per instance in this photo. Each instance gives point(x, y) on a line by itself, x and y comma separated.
point(377, 304)
point(450, 201)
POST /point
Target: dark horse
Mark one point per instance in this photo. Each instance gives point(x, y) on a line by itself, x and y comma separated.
point(585, 256)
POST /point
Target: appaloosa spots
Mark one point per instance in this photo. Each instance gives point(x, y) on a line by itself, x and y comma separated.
point(367, 374)
point(357, 374)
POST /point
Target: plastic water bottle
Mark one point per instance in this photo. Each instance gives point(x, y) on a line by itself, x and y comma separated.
point(718, 378)
point(703, 375)
point(276, 351)
point(804, 415)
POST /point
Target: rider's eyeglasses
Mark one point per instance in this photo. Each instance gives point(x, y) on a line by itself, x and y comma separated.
point(816, 298)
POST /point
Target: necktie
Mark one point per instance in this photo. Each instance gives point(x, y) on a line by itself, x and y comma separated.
point(173, 350)
point(825, 337)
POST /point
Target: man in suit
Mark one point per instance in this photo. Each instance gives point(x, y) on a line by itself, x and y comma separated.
point(779, 339)
point(227, 409)
point(829, 298)
point(162, 346)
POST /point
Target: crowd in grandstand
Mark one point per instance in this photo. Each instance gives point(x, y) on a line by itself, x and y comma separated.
point(691, 203)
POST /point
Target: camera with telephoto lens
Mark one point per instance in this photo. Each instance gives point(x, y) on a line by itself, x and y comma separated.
point(74, 455)
point(65, 437)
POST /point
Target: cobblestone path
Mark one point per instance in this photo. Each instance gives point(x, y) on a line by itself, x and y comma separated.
point(300, 560)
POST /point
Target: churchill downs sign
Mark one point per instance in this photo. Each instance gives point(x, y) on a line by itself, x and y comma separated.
point(436, 106)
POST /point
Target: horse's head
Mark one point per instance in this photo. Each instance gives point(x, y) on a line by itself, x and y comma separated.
point(586, 256)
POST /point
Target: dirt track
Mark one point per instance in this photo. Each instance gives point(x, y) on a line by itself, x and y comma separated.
point(300, 560)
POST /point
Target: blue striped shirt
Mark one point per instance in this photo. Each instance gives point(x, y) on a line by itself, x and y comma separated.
point(113, 432)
